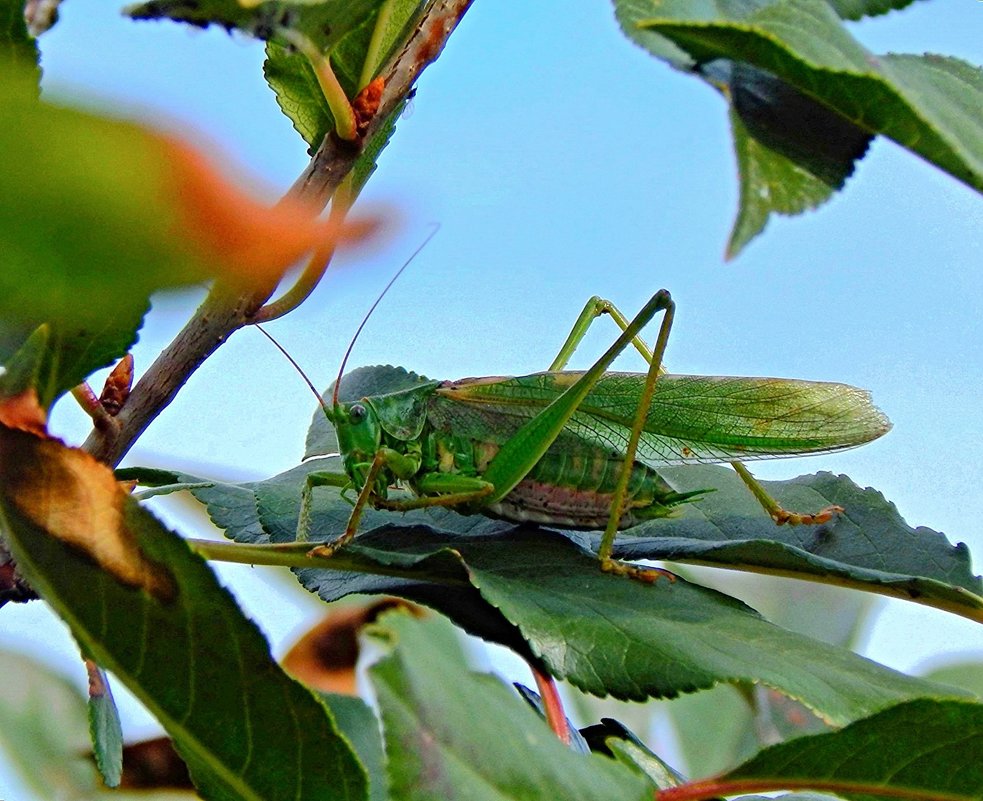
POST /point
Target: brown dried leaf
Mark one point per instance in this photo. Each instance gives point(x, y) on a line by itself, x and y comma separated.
point(76, 499)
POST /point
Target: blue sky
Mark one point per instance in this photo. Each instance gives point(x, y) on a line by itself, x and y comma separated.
point(561, 161)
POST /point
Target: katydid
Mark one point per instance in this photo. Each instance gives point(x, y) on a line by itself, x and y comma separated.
point(576, 449)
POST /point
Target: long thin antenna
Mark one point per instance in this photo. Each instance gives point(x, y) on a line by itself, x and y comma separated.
point(399, 272)
point(297, 367)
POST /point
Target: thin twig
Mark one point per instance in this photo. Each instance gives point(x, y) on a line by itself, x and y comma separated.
point(226, 309)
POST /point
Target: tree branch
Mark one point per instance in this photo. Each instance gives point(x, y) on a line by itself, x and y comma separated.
point(226, 309)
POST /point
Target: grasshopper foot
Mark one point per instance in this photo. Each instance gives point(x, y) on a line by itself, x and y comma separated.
point(647, 575)
point(326, 550)
point(784, 518)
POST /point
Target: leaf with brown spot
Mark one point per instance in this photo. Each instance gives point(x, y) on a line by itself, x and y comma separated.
point(147, 211)
point(324, 658)
point(240, 236)
point(196, 662)
point(76, 499)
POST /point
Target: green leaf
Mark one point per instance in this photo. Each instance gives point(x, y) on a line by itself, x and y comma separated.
point(356, 720)
point(542, 594)
point(726, 725)
point(18, 49)
point(967, 675)
point(793, 53)
point(869, 546)
point(299, 95)
point(451, 733)
point(154, 615)
point(792, 152)
point(324, 22)
point(24, 369)
point(921, 749)
point(857, 9)
point(105, 729)
point(137, 198)
point(43, 729)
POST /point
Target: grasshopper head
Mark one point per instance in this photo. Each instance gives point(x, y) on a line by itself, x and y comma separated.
point(358, 429)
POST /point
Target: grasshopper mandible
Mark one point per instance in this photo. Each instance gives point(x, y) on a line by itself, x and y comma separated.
point(576, 449)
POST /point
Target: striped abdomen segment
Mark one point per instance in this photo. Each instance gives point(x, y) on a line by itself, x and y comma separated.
point(577, 490)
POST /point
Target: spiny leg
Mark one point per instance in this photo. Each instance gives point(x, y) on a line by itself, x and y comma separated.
point(596, 307)
point(609, 564)
point(443, 489)
point(329, 549)
point(307, 499)
point(520, 453)
point(775, 510)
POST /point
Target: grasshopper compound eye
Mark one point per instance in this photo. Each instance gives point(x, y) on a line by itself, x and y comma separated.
point(356, 413)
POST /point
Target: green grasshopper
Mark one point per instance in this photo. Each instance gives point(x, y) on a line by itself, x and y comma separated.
point(575, 449)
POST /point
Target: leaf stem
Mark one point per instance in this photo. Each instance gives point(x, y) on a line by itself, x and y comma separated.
point(374, 53)
point(334, 94)
point(552, 704)
point(298, 554)
point(972, 609)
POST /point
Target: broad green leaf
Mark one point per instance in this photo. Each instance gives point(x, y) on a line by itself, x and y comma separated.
point(105, 729)
point(542, 594)
point(869, 547)
point(792, 152)
point(451, 733)
point(726, 725)
point(788, 60)
point(920, 749)
point(18, 49)
point(298, 93)
point(151, 612)
point(136, 198)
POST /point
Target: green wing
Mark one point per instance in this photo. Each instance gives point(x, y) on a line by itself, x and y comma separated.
point(692, 419)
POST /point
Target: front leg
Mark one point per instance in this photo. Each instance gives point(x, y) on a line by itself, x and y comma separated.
point(375, 481)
